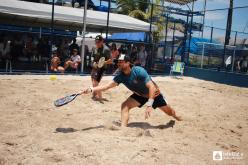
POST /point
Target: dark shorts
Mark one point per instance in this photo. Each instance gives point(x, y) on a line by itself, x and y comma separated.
point(159, 101)
point(97, 74)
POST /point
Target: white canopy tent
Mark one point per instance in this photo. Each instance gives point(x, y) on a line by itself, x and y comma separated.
point(36, 14)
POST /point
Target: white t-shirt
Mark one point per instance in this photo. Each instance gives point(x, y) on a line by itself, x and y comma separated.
point(142, 55)
point(76, 58)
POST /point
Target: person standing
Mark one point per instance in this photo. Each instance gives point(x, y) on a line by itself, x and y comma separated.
point(98, 51)
point(142, 56)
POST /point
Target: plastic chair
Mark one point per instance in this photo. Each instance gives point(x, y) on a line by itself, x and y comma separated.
point(177, 67)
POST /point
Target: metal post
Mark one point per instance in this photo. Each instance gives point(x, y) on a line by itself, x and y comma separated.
point(234, 53)
point(165, 38)
point(203, 48)
point(211, 36)
point(173, 41)
point(150, 39)
point(83, 40)
point(228, 30)
point(190, 35)
point(185, 39)
point(52, 26)
point(203, 21)
point(235, 40)
point(108, 20)
point(40, 32)
point(233, 59)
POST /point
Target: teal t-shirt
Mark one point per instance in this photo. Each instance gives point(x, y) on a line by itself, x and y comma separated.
point(136, 81)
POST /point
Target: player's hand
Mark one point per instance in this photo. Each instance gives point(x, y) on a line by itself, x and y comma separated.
point(148, 112)
point(95, 65)
point(86, 91)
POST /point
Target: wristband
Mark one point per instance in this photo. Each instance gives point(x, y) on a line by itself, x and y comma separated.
point(149, 102)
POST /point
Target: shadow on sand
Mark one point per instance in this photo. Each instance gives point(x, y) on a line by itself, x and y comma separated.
point(145, 125)
point(70, 130)
point(142, 125)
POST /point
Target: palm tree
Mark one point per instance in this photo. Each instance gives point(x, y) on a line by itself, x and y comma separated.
point(134, 8)
point(141, 10)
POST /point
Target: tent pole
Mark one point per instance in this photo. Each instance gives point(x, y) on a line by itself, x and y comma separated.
point(203, 20)
point(228, 30)
point(165, 38)
point(173, 42)
point(83, 40)
point(190, 34)
point(52, 28)
point(107, 30)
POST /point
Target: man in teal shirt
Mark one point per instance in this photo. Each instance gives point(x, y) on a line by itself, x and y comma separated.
point(145, 91)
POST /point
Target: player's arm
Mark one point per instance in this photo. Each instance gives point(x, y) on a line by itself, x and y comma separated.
point(108, 55)
point(152, 89)
point(100, 87)
point(109, 61)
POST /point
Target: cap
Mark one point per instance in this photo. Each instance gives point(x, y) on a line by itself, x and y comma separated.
point(124, 57)
point(98, 38)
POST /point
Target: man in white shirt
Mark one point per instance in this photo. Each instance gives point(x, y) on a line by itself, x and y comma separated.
point(142, 55)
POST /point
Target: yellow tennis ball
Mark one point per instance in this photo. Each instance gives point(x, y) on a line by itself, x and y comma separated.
point(53, 77)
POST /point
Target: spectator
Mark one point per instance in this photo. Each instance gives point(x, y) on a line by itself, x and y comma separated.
point(122, 49)
point(4, 49)
point(74, 61)
point(73, 46)
point(29, 48)
point(42, 49)
point(237, 65)
point(114, 57)
point(64, 49)
point(129, 49)
point(133, 55)
point(142, 56)
point(114, 51)
point(55, 62)
point(100, 50)
point(17, 48)
point(244, 64)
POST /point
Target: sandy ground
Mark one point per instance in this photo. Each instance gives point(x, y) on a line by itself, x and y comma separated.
point(33, 131)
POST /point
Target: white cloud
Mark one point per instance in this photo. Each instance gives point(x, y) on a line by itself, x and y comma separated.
point(217, 1)
point(214, 16)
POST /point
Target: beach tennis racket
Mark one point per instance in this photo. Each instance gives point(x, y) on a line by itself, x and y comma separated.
point(101, 62)
point(65, 100)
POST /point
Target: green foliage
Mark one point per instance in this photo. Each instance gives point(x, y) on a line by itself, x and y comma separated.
point(141, 10)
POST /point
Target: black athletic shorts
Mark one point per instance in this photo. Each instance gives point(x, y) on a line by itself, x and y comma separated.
point(97, 74)
point(159, 101)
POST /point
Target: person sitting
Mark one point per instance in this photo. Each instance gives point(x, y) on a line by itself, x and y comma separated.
point(55, 62)
point(74, 61)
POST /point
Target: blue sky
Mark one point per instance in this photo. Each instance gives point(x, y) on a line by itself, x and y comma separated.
point(216, 18)
point(219, 18)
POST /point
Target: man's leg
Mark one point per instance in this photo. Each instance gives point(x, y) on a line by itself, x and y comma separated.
point(169, 111)
point(94, 84)
point(125, 107)
point(61, 69)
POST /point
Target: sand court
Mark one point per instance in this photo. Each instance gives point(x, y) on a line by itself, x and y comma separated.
point(34, 131)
